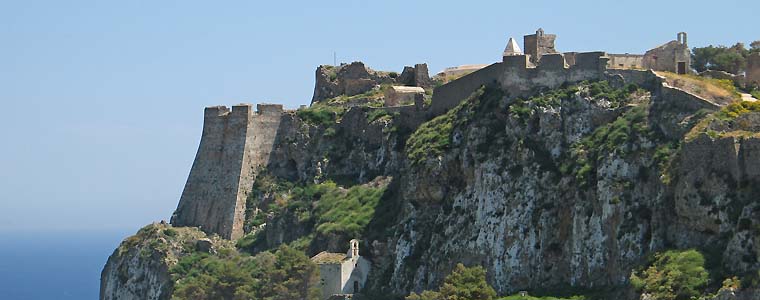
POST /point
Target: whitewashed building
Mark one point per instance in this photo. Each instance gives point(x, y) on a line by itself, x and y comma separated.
point(342, 273)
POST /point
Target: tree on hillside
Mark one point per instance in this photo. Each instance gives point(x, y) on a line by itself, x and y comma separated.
point(721, 58)
point(462, 284)
point(754, 46)
point(673, 275)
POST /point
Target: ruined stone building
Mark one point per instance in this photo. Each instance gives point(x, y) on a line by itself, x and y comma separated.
point(403, 95)
point(538, 44)
point(673, 56)
point(342, 273)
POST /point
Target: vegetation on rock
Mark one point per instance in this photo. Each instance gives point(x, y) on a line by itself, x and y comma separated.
point(285, 274)
point(529, 297)
point(756, 94)
point(321, 114)
point(434, 137)
point(673, 275)
point(618, 137)
point(721, 91)
point(724, 122)
point(462, 284)
point(327, 208)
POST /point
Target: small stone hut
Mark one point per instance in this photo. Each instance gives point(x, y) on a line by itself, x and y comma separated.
point(342, 273)
point(402, 95)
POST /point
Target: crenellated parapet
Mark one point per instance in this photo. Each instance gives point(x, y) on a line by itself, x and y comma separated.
point(518, 75)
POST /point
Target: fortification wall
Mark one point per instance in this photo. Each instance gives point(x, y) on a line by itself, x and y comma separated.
point(234, 144)
point(625, 61)
point(520, 79)
point(645, 79)
point(450, 94)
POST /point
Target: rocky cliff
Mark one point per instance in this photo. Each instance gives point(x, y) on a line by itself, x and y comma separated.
point(569, 189)
point(140, 267)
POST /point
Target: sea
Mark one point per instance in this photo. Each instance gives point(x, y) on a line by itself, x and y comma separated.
point(55, 264)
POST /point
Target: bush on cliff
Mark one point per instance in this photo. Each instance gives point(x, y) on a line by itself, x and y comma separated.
point(327, 208)
point(723, 122)
point(433, 138)
point(617, 136)
point(462, 284)
point(756, 94)
point(734, 110)
point(529, 297)
point(321, 114)
point(286, 274)
point(673, 275)
point(523, 108)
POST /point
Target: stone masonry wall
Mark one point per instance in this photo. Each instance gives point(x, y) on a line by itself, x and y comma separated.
point(518, 77)
point(234, 144)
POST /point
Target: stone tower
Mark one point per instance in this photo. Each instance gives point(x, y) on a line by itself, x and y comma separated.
point(234, 144)
point(539, 44)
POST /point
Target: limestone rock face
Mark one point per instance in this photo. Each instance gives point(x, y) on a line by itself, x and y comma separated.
point(139, 268)
point(499, 198)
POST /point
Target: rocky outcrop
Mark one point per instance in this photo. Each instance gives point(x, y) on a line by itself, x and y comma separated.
point(139, 269)
point(355, 78)
point(350, 79)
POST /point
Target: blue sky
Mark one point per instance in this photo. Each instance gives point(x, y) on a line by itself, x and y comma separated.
point(103, 100)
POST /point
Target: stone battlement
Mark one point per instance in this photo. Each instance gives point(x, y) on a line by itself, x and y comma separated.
point(234, 144)
point(519, 76)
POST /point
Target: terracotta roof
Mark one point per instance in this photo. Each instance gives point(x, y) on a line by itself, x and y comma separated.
point(325, 257)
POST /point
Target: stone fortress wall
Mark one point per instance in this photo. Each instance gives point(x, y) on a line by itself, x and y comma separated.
point(518, 76)
point(234, 144)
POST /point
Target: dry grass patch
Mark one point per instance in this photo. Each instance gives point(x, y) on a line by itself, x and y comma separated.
point(719, 91)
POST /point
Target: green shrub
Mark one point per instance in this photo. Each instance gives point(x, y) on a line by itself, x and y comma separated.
point(347, 212)
point(462, 284)
point(522, 108)
point(433, 138)
point(528, 297)
point(612, 137)
point(673, 275)
point(321, 114)
point(286, 274)
point(170, 232)
point(326, 207)
point(377, 114)
point(756, 94)
point(734, 110)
